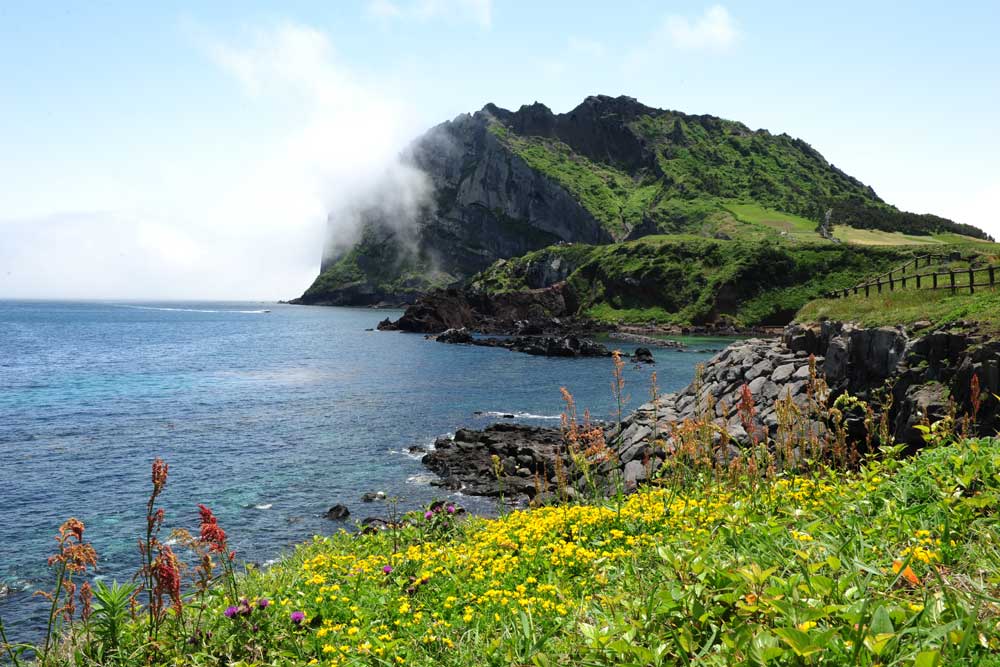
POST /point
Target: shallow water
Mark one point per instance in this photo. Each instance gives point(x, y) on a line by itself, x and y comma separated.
point(267, 417)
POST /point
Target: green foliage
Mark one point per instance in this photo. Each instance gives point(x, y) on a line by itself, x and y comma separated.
point(686, 279)
point(893, 564)
point(378, 266)
point(108, 623)
point(907, 307)
point(711, 164)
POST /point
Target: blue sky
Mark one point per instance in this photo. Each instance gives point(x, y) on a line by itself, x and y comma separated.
point(192, 150)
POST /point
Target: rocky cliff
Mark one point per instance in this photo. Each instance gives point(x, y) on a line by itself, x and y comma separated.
point(508, 182)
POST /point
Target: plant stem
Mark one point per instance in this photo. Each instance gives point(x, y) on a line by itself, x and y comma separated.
point(52, 611)
point(6, 644)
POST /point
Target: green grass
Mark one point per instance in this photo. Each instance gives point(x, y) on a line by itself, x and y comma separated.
point(893, 565)
point(685, 279)
point(879, 237)
point(610, 195)
point(795, 227)
point(907, 307)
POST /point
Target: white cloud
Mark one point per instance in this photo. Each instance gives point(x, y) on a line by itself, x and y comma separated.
point(477, 11)
point(714, 30)
point(254, 229)
point(577, 51)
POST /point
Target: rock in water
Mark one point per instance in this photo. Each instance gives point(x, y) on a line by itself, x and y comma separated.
point(460, 336)
point(337, 513)
point(642, 355)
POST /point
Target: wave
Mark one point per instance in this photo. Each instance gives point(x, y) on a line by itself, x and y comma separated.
point(423, 479)
point(263, 506)
point(418, 451)
point(519, 415)
point(192, 310)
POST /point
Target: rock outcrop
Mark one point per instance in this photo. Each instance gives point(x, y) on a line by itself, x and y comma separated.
point(926, 374)
point(541, 346)
point(529, 312)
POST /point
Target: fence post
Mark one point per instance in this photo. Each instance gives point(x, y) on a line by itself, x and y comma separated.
point(935, 279)
point(992, 277)
point(867, 289)
point(904, 280)
point(892, 283)
point(972, 281)
point(918, 281)
point(880, 285)
point(951, 274)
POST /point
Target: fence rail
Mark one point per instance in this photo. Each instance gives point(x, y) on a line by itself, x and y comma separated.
point(949, 279)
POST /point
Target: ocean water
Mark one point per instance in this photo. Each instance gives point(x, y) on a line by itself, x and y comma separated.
point(267, 417)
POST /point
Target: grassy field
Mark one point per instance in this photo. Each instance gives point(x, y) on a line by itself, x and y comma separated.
point(879, 237)
point(895, 564)
point(907, 307)
point(793, 226)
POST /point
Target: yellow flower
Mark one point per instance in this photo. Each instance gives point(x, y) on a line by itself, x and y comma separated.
point(806, 626)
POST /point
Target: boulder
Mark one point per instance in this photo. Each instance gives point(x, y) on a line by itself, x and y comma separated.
point(460, 336)
point(643, 355)
point(337, 513)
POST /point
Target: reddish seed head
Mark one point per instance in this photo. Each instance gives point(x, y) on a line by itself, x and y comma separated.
point(160, 469)
point(212, 533)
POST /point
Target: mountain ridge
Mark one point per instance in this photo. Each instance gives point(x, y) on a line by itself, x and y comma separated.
point(612, 169)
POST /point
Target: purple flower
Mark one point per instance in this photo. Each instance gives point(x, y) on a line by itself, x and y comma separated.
point(387, 569)
point(298, 617)
point(428, 514)
point(451, 509)
point(263, 602)
point(230, 611)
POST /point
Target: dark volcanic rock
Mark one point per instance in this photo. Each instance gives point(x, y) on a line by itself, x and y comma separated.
point(925, 374)
point(545, 346)
point(337, 513)
point(523, 451)
point(455, 336)
point(529, 312)
point(642, 355)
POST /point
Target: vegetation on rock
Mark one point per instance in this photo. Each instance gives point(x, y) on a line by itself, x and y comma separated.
point(612, 169)
point(685, 279)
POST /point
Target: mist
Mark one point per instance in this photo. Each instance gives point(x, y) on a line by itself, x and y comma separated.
point(256, 229)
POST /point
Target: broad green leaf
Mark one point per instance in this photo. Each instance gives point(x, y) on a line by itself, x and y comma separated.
point(799, 641)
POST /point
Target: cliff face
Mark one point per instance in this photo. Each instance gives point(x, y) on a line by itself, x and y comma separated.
point(488, 204)
point(505, 183)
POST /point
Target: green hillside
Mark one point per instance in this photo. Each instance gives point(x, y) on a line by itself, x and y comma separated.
point(693, 171)
point(686, 279)
point(508, 183)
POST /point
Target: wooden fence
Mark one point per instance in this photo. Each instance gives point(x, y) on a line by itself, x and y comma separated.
point(899, 278)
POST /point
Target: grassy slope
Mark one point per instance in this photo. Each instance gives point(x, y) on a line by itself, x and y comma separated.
point(686, 279)
point(907, 307)
point(704, 171)
point(895, 565)
point(911, 305)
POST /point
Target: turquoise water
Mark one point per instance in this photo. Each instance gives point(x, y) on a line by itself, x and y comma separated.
point(267, 417)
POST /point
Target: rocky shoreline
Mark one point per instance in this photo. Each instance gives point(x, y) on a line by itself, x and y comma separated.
point(922, 372)
point(542, 346)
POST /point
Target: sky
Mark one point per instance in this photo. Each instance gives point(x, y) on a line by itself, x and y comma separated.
point(178, 150)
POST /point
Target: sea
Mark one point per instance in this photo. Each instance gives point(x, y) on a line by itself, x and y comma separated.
point(267, 413)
